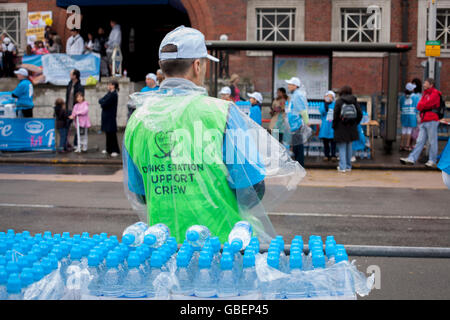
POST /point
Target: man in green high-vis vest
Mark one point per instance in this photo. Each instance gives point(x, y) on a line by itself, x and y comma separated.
point(191, 159)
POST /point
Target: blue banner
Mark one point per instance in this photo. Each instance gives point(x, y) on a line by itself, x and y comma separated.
point(35, 60)
point(57, 67)
point(29, 134)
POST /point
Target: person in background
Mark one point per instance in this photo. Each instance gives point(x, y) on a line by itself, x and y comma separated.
point(235, 92)
point(24, 94)
point(109, 114)
point(346, 117)
point(80, 116)
point(427, 106)
point(279, 102)
point(29, 50)
point(9, 54)
point(418, 94)
point(159, 77)
point(150, 83)
point(256, 100)
point(100, 47)
point(278, 120)
point(89, 47)
point(39, 48)
point(408, 109)
point(225, 94)
point(326, 132)
point(114, 40)
point(73, 88)
point(56, 46)
point(75, 43)
point(61, 124)
point(297, 112)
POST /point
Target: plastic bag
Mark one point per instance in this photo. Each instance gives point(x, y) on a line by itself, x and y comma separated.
point(192, 159)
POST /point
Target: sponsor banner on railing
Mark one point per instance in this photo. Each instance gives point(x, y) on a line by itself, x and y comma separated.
point(27, 134)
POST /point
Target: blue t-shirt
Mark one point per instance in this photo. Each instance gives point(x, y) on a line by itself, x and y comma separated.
point(255, 114)
point(295, 107)
point(240, 156)
point(408, 108)
point(24, 93)
point(146, 89)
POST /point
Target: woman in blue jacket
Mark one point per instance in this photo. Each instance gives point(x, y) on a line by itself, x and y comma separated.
point(326, 132)
point(408, 108)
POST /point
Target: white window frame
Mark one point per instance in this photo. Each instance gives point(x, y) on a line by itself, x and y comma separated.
point(252, 5)
point(336, 24)
point(422, 27)
point(23, 9)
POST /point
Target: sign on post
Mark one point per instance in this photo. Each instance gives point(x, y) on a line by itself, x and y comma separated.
point(433, 48)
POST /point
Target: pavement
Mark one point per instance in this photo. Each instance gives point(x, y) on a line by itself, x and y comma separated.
point(381, 161)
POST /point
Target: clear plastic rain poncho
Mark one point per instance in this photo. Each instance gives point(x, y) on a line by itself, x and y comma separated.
point(190, 159)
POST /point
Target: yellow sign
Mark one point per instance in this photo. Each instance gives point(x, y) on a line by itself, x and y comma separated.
point(433, 48)
point(35, 31)
point(34, 16)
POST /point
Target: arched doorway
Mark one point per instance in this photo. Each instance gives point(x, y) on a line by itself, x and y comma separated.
point(143, 28)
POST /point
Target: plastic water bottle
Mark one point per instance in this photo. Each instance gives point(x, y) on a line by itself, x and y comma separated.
point(319, 283)
point(204, 285)
point(197, 236)
point(272, 289)
point(112, 282)
point(3, 282)
point(215, 264)
point(248, 282)
point(156, 262)
point(156, 235)
point(133, 235)
point(185, 286)
point(133, 286)
point(296, 287)
point(26, 279)
point(341, 276)
point(240, 235)
point(94, 286)
point(226, 286)
point(14, 287)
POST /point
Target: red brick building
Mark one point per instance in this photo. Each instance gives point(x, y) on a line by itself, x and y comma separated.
point(281, 20)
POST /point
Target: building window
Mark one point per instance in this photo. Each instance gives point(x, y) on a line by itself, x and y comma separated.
point(358, 26)
point(10, 25)
point(442, 27)
point(275, 24)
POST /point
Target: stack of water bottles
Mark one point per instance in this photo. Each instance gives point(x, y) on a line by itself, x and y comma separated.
point(148, 265)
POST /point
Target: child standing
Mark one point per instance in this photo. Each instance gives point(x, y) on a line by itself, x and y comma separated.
point(80, 115)
point(408, 108)
point(61, 123)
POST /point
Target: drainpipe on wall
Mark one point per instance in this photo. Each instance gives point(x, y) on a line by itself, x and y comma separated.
point(404, 55)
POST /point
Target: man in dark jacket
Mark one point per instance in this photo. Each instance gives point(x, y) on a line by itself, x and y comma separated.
point(109, 113)
point(347, 116)
point(73, 88)
point(429, 119)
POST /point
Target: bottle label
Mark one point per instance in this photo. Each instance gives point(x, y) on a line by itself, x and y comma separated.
point(245, 225)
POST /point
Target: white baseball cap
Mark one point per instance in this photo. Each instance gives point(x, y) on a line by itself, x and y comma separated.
point(7, 40)
point(294, 80)
point(256, 95)
point(410, 86)
point(225, 90)
point(330, 92)
point(22, 71)
point(190, 44)
point(151, 76)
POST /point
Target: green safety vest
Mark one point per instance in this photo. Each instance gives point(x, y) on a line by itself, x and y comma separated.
point(192, 190)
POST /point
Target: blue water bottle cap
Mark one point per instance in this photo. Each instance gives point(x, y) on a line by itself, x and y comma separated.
point(14, 285)
point(227, 247)
point(26, 234)
point(10, 232)
point(204, 261)
point(26, 277)
point(112, 261)
point(192, 235)
point(236, 244)
point(340, 247)
point(76, 238)
point(330, 250)
point(156, 260)
point(249, 259)
point(76, 253)
point(104, 235)
point(226, 262)
point(114, 238)
point(318, 260)
point(172, 242)
point(93, 260)
point(3, 276)
point(2, 261)
point(3, 248)
point(128, 239)
point(47, 234)
point(22, 262)
point(134, 260)
point(66, 235)
point(85, 235)
point(46, 265)
point(273, 260)
point(12, 267)
point(295, 261)
point(97, 239)
point(38, 271)
point(182, 260)
point(341, 256)
point(53, 261)
point(149, 239)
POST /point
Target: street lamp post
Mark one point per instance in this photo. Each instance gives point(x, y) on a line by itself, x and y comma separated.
point(432, 35)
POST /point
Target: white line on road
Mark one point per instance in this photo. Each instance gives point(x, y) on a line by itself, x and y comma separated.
point(26, 205)
point(370, 216)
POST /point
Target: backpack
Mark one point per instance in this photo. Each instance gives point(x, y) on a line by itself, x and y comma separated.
point(440, 111)
point(348, 112)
